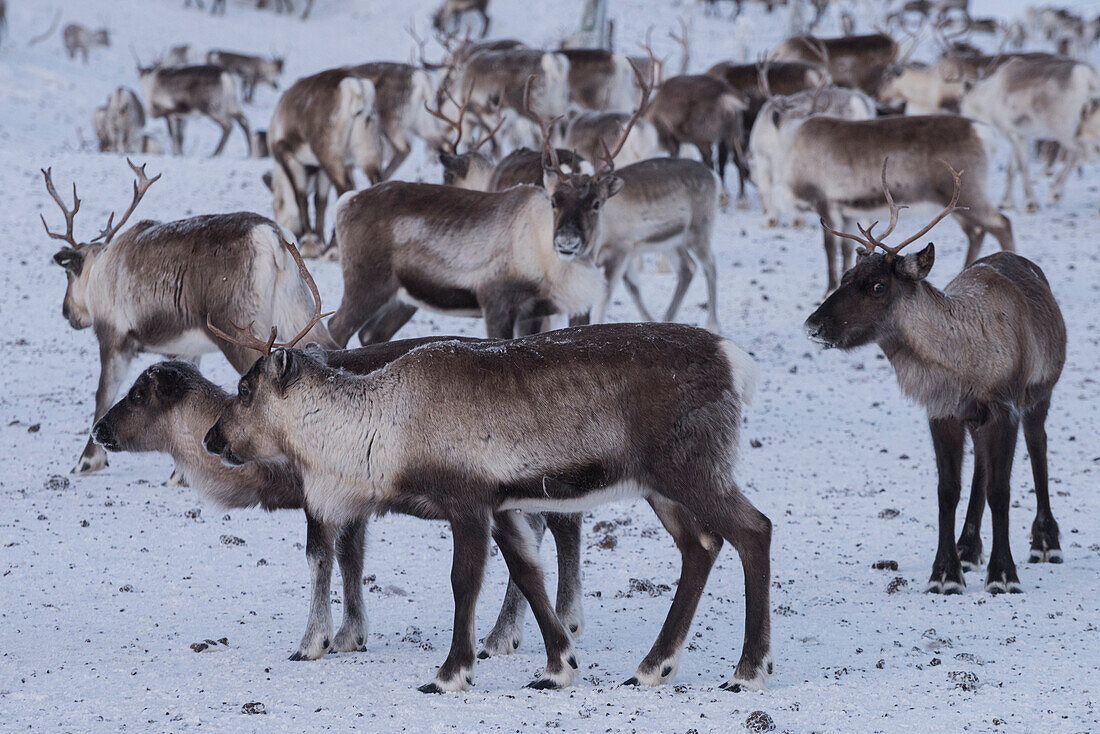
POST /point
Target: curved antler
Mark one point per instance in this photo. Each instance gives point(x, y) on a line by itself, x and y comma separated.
point(140, 187)
point(70, 214)
point(249, 340)
point(607, 166)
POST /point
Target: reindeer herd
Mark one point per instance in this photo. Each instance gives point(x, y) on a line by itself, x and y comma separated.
point(560, 173)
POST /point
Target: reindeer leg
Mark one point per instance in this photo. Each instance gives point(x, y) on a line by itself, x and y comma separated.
point(995, 447)
point(566, 529)
point(948, 440)
point(613, 270)
point(513, 537)
point(1044, 531)
point(242, 122)
point(685, 271)
point(634, 291)
point(387, 323)
point(698, 551)
point(1073, 156)
point(226, 129)
point(830, 248)
point(969, 544)
point(471, 548)
point(114, 361)
point(710, 272)
point(507, 633)
point(352, 635)
point(1019, 152)
point(318, 635)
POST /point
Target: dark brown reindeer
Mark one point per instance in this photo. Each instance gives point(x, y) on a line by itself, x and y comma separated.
point(415, 437)
point(982, 355)
point(153, 287)
point(176, 92)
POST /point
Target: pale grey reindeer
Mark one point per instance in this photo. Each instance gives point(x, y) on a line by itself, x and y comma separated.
point(153, 287)
point(415, 436)
point(176, 92)
point(251, 70)
point(78, 39)
point(170, 408)
point(120, 123)
point(766, 148)
point(830, 167)
point(1030, 98)
point(982, 356)
point(602, 80)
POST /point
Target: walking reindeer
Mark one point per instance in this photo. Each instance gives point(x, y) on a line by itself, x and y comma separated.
point(981, 356)
point(153, 288)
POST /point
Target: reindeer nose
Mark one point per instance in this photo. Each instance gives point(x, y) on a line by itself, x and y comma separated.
point(104, 436)
point(214, 442)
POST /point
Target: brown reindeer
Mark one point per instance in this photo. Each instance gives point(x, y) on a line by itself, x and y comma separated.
point(251, 69)
point(852, 61)
point(153, 287)
point(981, 356)
point(176, 92)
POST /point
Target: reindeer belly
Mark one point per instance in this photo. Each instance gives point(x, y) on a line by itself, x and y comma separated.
point(190, 343)
point(420, 291)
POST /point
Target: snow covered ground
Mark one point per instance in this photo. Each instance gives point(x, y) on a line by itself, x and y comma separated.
point(106, 580)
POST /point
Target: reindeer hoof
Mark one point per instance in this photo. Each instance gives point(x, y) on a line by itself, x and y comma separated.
point(430, 688)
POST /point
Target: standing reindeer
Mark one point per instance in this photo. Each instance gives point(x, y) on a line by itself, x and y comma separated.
point(251, 69)
point(176, 92)
point(119, 124)
point(851, 61)
point(415, 436)
point(78, 38)
point(154, 288)
point(980, 356)
point(448, 18)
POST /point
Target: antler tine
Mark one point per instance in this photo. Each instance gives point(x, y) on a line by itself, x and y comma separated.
point(956, 176)
point(647, 87)
point(894, 208)
point(141, 185)
point(762, 77)
point(551, 154)
point(486, 137)
point(869, 243)
point(247, 339)
point(70, 215)
point(317, 315)
point(438, 112)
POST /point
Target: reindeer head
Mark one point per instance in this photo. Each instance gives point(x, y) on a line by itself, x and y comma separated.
point(249, 427)
point(77, 257)
point(578, 198)
point(860, 310)
point(142, 420)
point(469, 170)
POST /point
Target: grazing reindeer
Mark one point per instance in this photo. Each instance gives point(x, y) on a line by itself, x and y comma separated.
point(312, 137)
point(1029, 99)
point(152, 288)
point(448, 18)
point(980, 355)
point(251, 69)
point(78, 38)
point(766, 149)
point(830, 168)
point(658, 205)
point(120, 122)
point(700, 110)
point(176, 92)
point(415, 437)
point(852, 61)
point(756, 83)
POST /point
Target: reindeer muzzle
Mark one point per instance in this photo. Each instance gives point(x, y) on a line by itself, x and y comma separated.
point(214, 442)
point(104, 435)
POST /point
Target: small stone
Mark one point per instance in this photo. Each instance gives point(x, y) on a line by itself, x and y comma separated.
point(608, 542)
point(126, 588)
point(199, 646)
point(35, 428)
point(934, 662)
point(889, 513)
point(964, 679)
point(759, 721)
point(231, 540)
point(884, 565)
point(193, 513)
point(84, 523)
point(261, 562)
point(755, 443)
point(57, 482)
point(896, 585)
point(413, 635)
point(253, 707)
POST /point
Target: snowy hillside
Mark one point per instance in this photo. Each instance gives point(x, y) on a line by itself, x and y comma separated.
point(107, 580)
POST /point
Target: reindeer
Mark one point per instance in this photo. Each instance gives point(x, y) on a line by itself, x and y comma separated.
point(319, 125)
point(659, 205)
point(601, 80)
point(78, 38)
point(980, 356)
point(182, 54)
point(756, 83)
point(557, 439)
point(1028, 99)
point(152, 288)
point(851, 61)
point(251, 69)
point(766, 149)
point(590, 133)
point(176, 92)
point(522, 166)
point(700, 110)
point(830, 167)
point(120, 122)
point(448, 18)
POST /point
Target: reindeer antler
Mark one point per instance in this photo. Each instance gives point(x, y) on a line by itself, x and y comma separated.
point(762, 76)
point(140, 187)
point(607, 166)
point(70, 214)
point(870, 242)
point(248, 340)
point(438, 113)
point(682, 40)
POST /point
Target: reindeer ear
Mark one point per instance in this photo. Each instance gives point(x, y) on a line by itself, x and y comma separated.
point(775, 117)
point(282, 367)
point(269, 178)
point(317, 352)
point(610, 185)
point(916, 266)
point(69, 259)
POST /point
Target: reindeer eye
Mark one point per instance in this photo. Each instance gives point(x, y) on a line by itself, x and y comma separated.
point(878, 288)
point(243, 393)
point(138, 396)
point(595, 205)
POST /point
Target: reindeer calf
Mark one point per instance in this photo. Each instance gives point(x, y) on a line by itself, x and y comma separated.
point(119, 124)
point(78, 38)
point(176, 92)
